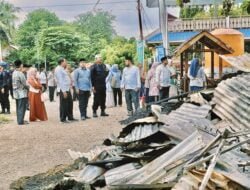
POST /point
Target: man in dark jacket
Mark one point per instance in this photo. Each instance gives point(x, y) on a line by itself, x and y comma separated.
point(4, 89)
point(98, 78)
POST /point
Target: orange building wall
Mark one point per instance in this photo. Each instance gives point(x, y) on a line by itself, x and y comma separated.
point(232, 38)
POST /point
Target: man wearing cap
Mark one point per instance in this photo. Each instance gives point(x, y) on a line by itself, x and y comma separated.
point(98, 78)
point(20, 92)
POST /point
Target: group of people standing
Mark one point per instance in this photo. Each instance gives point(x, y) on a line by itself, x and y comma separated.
point(158, 80)
point(107, 83)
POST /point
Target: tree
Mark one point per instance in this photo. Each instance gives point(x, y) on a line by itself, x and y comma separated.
point(96, 25)
point(227, 7)
point(7, 18)
point(182, 2)
point(246, 6)
point(190, 12)
point(119, 49)
point(59, 41)
point(35, 22)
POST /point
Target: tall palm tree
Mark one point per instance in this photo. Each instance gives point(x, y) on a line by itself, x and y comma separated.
point(7, 19)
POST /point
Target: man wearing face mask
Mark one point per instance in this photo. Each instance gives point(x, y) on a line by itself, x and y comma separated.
point(131, 82)
point(99, 73)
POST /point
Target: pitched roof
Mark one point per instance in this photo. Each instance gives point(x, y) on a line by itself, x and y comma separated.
point(209, 40)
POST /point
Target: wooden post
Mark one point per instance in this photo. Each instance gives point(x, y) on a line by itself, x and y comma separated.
point(212, 65)
point(220, 68)
point(181, 66)
point(186, 87)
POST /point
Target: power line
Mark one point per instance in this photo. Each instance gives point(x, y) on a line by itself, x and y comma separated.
point(79, 4)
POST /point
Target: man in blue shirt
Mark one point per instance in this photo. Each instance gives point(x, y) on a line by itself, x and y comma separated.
point(131, 82)
point(64, 83)
point(82, 79)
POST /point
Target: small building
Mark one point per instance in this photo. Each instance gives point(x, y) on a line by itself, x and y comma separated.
point(204, 42)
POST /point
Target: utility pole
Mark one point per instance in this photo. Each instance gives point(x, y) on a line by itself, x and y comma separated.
point(1, 52)
point(140, 20)
point(140, 42)
point(163, 17)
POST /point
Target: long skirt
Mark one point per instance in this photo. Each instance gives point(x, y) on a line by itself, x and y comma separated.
point(37, 107)
point(110, 99)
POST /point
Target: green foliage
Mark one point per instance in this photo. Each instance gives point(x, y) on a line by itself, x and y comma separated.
point(96, 25)
point(246, 6)
point(43, 36)
point(7, 18)
point(58, 41)
point(227, 7)
point(119, 49)
point(35, 22)
point(190, 12)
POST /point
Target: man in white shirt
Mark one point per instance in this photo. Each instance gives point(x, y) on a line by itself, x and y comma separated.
point(64, 83)
point(131, 82)
point(163, 76)
point(43, 79)
point(51, 84)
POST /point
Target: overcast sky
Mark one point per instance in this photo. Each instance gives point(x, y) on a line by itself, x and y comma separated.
point(126, 23)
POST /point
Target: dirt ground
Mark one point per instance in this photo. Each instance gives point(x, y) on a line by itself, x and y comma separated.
point(35, 148)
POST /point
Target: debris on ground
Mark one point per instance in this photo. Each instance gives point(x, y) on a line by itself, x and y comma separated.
point(201, 144)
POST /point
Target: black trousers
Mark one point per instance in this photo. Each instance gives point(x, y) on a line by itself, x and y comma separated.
point(75, 95)
point(164, 92)
point(99, 99)
point(51, 93)
point(21, 105)
point(4, 99)
point(117, 94)
point(66, 107)
point(83, 102)
point(44, 87)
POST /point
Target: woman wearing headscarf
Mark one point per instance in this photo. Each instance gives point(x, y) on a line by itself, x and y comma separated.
point(153, 87)
point(115, 75)
point(37, 107)
point(109, 91)
point(196, 75)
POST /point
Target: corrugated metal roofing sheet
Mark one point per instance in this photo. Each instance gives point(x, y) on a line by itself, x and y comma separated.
point(232, 99)
point(241, 62)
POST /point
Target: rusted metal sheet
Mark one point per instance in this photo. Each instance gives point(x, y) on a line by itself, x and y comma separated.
point(241, 62)
point(232, 101)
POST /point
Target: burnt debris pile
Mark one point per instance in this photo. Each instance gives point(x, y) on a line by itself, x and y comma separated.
point(201, 144)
